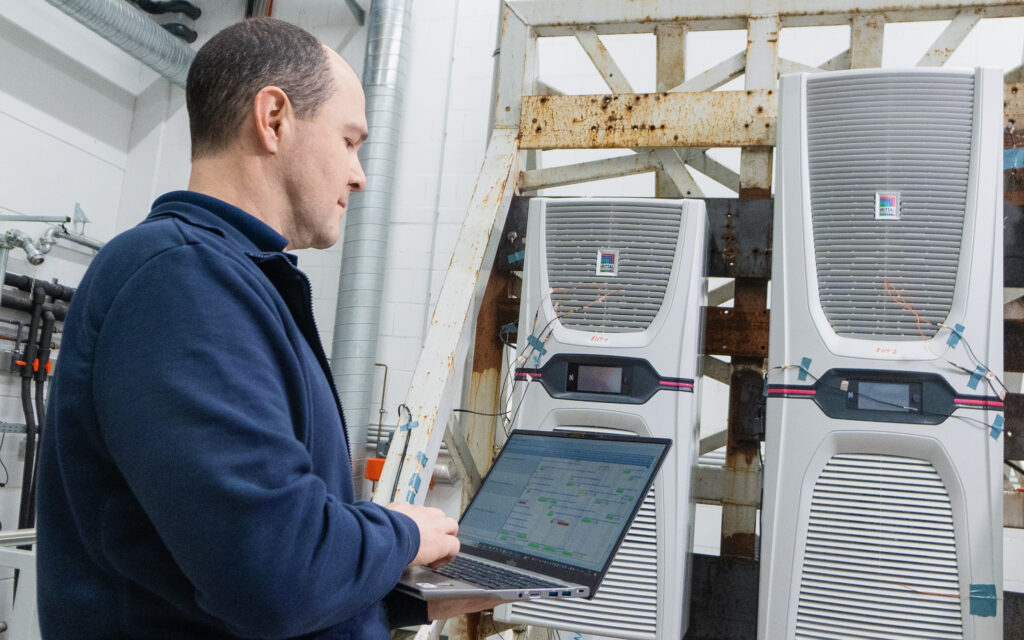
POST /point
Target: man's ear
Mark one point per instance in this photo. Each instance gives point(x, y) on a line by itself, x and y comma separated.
point(272, 111)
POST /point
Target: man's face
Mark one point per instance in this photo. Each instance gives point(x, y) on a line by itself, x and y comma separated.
point(322, 167)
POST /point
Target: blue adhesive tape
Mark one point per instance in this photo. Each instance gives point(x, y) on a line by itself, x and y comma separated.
point(422, 457)
point(410, 497)
point(976, 377)
point(997, 428)
point(955, 334)
point(511, 327)
point(414, 482)
point(516, 257)
point(535, 342)
point(409, 426)
point(805, 368)
point(983, 600)
point(1013, 159)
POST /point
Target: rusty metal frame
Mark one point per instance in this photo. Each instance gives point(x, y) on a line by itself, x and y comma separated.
point(669, 133)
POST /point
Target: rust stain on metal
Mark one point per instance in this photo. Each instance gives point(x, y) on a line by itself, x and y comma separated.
point(738, 545)
point(712, 119)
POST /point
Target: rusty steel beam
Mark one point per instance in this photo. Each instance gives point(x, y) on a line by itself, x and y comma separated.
point(1013, 445)
point(670, 70)
point(738, 333)
point(699, 119)
point(746, 423)
point(1013, 345)
point(762, 74)
point(677, 119)
point(561, 17)
point(1013, 111)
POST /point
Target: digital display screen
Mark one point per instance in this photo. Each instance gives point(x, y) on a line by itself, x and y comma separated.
point(598, 379)
point(886, 396)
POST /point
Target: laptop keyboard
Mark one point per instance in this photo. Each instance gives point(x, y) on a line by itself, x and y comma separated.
point(490, 576)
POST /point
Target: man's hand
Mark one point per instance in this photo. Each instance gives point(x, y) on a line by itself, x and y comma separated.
point(438, 543)
point(444, 609)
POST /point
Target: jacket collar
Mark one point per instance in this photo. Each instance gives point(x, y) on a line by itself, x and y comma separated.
point(227, 220)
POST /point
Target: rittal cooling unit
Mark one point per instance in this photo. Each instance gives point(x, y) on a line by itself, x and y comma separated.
point(610, 333)
point(882, 482)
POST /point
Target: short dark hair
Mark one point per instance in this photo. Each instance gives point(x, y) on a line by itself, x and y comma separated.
point(234, 65)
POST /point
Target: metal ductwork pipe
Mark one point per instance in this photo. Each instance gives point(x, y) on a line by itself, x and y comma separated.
point(367, 221)
point(135, 33)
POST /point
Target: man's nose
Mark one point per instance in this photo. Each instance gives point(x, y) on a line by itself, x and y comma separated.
point(357, 182)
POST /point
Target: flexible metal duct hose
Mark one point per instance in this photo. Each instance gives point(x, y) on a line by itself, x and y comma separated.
point(135, 33)
point(367, 220)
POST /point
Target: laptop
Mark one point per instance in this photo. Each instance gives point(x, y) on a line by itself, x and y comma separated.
point(547, 519)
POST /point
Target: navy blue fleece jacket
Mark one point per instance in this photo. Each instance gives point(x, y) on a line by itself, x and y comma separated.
point(194, 479)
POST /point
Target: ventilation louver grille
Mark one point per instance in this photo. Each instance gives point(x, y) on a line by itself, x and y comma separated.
point(626, 605)
point(645, 234)
point(881, 555)
point(889, 132)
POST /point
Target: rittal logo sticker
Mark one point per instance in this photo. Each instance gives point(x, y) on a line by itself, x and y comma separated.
point(607, 262)
point(887, 205)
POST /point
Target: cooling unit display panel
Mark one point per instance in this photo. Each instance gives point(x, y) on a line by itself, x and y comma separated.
point(888, 161)
point(609, 263)
point(880, 560)
point(626, 604)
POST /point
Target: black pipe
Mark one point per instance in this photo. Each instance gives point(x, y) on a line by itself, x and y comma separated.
point(29, 356)
point(42, 372)
point(27, 284)
point(18, 302)
point(180, 31)
point(170, 6)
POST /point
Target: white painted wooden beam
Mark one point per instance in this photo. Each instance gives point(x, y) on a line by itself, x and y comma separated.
point(513, 65)
point(867, 35)
point(606, 66)
point(792, 66)
point(676, 171)
point(433, 391)
point(700, 160)
point(729, 69)
point(950, 38)
point(762, 73)
point(640, 162)
point(717, 370)
point(837, 62)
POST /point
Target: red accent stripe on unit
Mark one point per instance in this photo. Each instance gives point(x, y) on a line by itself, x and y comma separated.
point(688, 385)
point(979, 403)
point(794, 392)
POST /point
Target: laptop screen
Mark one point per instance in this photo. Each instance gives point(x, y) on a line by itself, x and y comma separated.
point(566, 499)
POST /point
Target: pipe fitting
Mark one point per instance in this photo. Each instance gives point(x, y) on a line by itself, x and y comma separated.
point(17, 238)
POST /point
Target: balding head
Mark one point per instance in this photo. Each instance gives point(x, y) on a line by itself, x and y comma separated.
point(230, 69)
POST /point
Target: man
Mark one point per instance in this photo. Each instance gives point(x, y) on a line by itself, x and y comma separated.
point(194, 479)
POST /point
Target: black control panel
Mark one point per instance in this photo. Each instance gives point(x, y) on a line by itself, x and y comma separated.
point(885, 396)
point(593, 378)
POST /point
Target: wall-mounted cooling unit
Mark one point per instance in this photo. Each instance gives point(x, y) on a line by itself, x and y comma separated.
point(610, 334)
point(882, 513)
